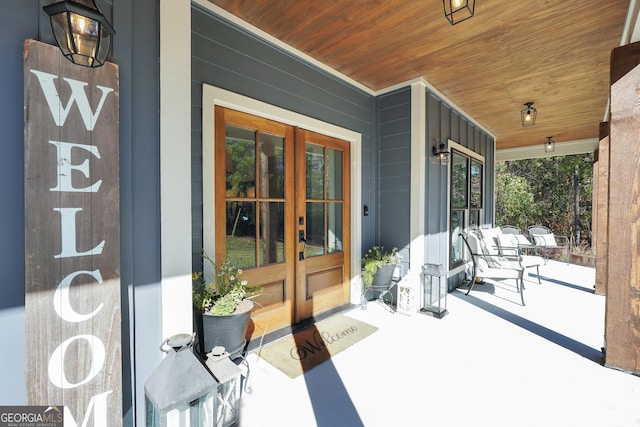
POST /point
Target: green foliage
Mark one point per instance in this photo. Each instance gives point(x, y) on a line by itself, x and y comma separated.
point(541, 191)
point(221, 295)
point(375, 258)
point(515, 205)
point(241, 172)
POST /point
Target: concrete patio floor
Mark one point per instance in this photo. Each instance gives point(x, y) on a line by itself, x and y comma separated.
point(489, 362)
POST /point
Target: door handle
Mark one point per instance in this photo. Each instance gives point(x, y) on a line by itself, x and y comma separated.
point(302, 240)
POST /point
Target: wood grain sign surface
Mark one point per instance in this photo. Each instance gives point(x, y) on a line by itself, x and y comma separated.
point(72, 237)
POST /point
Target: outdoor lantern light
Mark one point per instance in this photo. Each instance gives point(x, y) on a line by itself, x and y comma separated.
point(457, 11)
point(82, 32)
point(180, 392)
point(549, 145)
point(440, 154)
point(228, 375)
point(528, 114)
point(434, 290)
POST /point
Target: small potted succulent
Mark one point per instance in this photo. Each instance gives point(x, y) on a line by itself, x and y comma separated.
point(222, 308)
point(378, 266)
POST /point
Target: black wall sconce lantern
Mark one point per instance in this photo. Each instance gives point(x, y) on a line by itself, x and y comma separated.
point(528, 114)
point(549, 145)
point(457, 11)
point(82, 32)
point(440, 154)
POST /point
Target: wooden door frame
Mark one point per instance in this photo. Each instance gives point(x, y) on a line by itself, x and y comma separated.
point(213, 96)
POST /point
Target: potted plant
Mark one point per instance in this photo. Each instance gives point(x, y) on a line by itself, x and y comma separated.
point(378, 267)
point(221, 307)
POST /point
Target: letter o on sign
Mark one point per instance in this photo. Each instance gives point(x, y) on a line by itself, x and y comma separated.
point(56, 362)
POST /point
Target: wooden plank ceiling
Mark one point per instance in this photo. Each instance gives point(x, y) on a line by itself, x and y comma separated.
point(553, 53)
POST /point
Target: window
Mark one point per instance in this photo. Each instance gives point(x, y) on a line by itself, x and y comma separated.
point(466, 198)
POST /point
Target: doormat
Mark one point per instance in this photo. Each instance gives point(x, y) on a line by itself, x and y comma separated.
point(299, 353)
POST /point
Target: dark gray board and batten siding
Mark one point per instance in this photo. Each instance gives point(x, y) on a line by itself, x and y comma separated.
point(229, 57)
point(442, 122)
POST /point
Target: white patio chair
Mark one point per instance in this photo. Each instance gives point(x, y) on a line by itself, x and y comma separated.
point(512, 241)
point(523, 240)
point(489, 264)
point(544, 239)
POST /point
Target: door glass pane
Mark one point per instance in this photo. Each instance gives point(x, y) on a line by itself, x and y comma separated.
point(334, 174)
point(271, 166)
point(334, 227)
point(457, 226)
point(240, 162)
point(241, 233)
point(476, 184)
point(315, 171)
point(459, 181)
point(315, 229)
point(271, 249)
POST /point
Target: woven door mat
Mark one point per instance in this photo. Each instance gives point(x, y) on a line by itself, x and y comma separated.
point(299, 353)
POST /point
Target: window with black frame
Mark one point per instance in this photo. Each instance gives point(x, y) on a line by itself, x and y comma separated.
point(466, 201)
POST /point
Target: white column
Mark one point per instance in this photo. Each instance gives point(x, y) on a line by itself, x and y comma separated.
point(175, 165)
point(409, 297)
point(418, 175)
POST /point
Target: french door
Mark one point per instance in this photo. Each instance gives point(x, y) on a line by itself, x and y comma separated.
point(282, 215)
point(323, 226)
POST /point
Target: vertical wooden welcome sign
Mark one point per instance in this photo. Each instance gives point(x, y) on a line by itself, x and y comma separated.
point(72, 237)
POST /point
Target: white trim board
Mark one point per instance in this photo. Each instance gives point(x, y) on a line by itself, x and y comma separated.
point(175, 166)
point(561, 149)
point(213, 96)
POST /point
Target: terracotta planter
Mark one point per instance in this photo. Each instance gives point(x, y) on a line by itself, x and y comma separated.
point(226, 331)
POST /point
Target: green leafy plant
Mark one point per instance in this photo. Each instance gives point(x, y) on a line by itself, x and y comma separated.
point(375, 258)
point(220, 294)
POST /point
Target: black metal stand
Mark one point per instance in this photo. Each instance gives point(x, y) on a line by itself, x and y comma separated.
point(384, 290)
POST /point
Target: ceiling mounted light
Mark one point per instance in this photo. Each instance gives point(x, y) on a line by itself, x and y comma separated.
point(549, 145)
point(528, 114)
point(82, 32)
point(457, 11)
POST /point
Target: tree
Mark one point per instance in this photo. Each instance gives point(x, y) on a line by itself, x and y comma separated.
point(541, 191)
point(514, 200)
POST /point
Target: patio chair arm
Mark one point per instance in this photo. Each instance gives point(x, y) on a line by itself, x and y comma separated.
point(517, 249)
point(498, 256)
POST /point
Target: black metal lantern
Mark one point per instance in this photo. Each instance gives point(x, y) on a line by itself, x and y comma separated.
point(440, 154)
point(549, 145)
point(82, 32)
point(434, 290)
point(528, 114)
point(457, 11)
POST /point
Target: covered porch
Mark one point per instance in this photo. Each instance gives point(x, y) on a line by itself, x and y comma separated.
point(490, 361)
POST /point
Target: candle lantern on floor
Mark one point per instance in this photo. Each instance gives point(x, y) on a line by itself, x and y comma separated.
point(434, 290)
point(180, 392)
point(228, 375)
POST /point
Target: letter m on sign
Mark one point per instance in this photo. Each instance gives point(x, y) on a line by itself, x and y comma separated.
point(72, 265)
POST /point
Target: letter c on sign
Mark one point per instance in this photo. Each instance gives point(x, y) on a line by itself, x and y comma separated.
point(61, 301)
point(56, 362)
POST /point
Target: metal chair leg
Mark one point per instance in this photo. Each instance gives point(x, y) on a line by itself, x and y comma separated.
point(473, 283)
point(521, 289)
